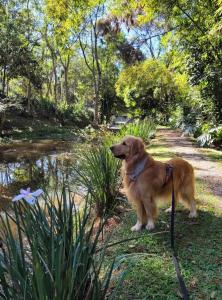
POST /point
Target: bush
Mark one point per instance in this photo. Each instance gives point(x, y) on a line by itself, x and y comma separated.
point(205, 140)
point(98, 173)
point(54, 253)
point(210, 136)
point(144, 129)
point(45, 107)
point(75, 113)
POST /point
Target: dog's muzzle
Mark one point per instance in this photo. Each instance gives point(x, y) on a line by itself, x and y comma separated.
point(120, 156)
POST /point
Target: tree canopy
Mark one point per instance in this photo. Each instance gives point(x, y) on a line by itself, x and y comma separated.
point(142, 57)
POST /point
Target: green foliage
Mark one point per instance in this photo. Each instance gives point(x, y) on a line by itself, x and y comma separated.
point(151, 87)
point(49, 251)
point(16, 45)
point(98, 173)
point(208, 135)
point(76, 114)
point(67, 114)
point(144, 129)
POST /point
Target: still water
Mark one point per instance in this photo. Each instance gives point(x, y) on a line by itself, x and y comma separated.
point(39, 164)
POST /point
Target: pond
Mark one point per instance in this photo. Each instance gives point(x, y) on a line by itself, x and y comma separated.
point(38, 164)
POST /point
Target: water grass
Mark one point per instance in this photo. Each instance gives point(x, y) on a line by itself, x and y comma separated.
point(144, 129)
point(53, 254)
point(98, 173)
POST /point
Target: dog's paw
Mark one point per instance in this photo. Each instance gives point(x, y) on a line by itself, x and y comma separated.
point(168, 210)
point(150, 225)
point(136, 227)
point(193, 214)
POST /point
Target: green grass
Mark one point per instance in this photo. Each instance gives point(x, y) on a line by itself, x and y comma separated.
point(151, 274)
point(44, 131)
point(214, 155)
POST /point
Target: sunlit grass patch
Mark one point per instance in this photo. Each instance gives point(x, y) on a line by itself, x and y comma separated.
point(160, 152)
point(214, 155)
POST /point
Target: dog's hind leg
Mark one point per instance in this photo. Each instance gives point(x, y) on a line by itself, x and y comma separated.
point(187, 196)
point(168, 210)
point(193, 210)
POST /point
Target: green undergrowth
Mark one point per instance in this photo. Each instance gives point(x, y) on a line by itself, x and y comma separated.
point(45, 132)
point(151, 274)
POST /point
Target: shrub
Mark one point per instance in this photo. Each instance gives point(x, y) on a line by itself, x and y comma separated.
point(45, 107)
point(144, 129)
point(205, 140)
point(73, 113)
point(53, 255)
point(98, 173)
point(210, 136)
point(216, 134)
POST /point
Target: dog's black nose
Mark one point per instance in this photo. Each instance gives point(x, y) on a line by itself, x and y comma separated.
point(111, 148)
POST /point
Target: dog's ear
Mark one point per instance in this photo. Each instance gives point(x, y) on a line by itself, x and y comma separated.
point(137, 147)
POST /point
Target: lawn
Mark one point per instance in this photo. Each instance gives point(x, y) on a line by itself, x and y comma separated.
point(147, 259)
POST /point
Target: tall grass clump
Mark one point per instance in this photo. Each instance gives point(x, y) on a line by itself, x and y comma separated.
point(98, 173)
point(51, 252)
point(144, 129)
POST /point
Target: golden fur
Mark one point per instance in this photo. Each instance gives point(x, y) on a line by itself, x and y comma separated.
point(153, 183)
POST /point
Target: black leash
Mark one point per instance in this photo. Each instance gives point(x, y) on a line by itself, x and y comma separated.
point(183, 288)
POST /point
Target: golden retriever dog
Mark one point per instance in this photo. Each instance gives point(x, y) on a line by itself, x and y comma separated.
point(146, 180)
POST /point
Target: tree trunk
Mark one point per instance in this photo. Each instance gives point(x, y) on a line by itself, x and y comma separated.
point(7, 87)
point(4, 80)
point(96, 102)
point(98, 80)
point(49, 86)
point(55, 80)
point(66, 84)
point(29, 96)
point(218, 98)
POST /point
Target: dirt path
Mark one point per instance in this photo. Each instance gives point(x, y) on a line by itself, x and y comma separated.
point(205, 169)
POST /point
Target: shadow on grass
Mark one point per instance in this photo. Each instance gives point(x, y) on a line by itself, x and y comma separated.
point(212, 154)
point(198, 243)
point(163, 155)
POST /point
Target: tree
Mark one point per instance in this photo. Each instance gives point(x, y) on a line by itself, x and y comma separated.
point(150, 88)
point(192, 22)
point(17, 56)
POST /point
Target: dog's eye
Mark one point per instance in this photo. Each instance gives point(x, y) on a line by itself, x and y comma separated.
point(124, 143)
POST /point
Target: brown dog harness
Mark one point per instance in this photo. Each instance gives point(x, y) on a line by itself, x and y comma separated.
point(137, 170)
point(169, 173)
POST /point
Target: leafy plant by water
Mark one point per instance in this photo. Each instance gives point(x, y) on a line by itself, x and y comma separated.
point(98, 173)
point(52, 253)
point(144, 129)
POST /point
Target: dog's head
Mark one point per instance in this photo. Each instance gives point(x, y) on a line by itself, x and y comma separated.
point(128, 148)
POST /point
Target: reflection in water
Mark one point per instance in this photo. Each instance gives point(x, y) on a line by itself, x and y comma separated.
point(34, 169)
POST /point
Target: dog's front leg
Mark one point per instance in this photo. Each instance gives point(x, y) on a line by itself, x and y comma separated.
point(141, 215)
point(151, 212)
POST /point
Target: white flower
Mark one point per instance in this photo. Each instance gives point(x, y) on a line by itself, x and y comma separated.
point(28, 196)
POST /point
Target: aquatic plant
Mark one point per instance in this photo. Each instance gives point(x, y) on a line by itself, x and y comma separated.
point(54, 253)
point(144, 129)
point(98, 173)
